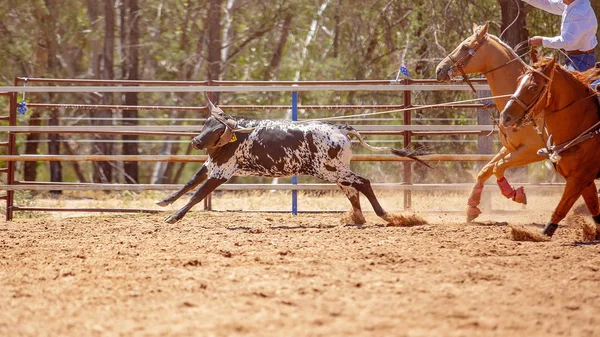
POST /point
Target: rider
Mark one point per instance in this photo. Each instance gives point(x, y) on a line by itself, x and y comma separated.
point(577, 31)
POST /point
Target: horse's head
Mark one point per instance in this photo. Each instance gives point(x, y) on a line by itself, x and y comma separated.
point(531, 95)
point(464, 59)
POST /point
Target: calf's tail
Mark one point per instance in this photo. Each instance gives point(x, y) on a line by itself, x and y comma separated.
point(412, 154)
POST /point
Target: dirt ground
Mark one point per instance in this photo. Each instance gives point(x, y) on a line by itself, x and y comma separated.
point(270, 274)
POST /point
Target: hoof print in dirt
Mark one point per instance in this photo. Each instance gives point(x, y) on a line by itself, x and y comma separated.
point(405, 220)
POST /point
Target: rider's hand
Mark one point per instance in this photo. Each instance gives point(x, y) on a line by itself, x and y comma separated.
point(535, 41)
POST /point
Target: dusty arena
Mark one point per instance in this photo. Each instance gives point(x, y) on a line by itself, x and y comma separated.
point(273, 274)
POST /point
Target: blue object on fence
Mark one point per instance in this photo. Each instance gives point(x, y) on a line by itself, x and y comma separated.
point(294, 178)
point(404, 69)
point(22, 108)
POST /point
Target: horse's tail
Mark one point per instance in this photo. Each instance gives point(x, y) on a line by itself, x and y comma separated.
point(421, 151)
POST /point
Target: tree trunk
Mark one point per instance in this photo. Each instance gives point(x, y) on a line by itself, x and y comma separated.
point(131, 29)
point(102, 145)
point(273, 69)
point(213, 23)
point(53, 138)
point(514, 28)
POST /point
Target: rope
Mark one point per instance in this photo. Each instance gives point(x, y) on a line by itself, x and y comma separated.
point(350, 117)
point(402, 110)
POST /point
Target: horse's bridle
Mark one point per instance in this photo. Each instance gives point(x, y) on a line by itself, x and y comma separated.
point(458, 65)
point(531, 107)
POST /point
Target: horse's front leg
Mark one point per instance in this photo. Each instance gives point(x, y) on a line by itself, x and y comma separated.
point(571, 193)
point(208, 186)
point(199, 177)
point(484, 174)
point(590, 196)
point(520, 157)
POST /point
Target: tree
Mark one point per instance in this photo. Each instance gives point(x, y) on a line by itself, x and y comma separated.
point(130, 40)
point(103, 171)
point(514, 24)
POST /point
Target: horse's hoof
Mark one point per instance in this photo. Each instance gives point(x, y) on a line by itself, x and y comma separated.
point(172, 219)
point(520, 196)
point(550, 229)
point(472, 213)
point(162, 203)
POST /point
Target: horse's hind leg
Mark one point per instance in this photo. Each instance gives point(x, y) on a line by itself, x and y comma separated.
point(590, 196)
point(571, 193)
point(356, 212)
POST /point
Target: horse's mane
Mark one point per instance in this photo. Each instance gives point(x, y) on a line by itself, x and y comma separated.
point(507, 47)
point(586, 77)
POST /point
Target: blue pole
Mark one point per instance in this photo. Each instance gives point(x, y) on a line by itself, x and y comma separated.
point(294, 178)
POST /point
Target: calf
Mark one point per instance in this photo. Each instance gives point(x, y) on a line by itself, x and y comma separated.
point(278, 148)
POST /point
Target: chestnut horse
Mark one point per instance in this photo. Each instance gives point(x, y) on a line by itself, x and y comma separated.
point(562, 105)
point(487, 54)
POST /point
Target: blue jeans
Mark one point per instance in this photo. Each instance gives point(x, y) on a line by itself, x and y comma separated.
point(580, 62)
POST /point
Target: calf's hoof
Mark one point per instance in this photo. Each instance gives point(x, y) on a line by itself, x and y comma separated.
point(472, 213)
point(172, 219)
point(520, 196)
point(352, 218)
point(162, 203)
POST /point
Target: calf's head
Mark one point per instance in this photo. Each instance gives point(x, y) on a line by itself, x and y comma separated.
point(217, 131)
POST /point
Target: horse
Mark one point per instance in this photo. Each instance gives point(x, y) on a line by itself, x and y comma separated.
point(486, 54)
point(562, 104)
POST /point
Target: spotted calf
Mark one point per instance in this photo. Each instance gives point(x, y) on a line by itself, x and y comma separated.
point(278, 148)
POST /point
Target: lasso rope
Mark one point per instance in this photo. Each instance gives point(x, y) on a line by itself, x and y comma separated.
point(402, 110)
point(246, 130)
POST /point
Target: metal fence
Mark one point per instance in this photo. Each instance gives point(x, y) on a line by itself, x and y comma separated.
point(406, 131)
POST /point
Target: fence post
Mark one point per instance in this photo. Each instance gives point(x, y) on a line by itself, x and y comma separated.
point(12, 150)
point(208, 199)
point(407, 165)
point(294, 178)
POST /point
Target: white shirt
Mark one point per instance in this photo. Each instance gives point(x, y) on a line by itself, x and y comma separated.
point(578, 26)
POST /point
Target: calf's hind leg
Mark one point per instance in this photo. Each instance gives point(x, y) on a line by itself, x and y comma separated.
point(199, 177)
point(352, 195)
point(363, 185)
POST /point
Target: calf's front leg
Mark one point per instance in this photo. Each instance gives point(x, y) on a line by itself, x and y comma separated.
point(208, 186)
point(199, 177)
